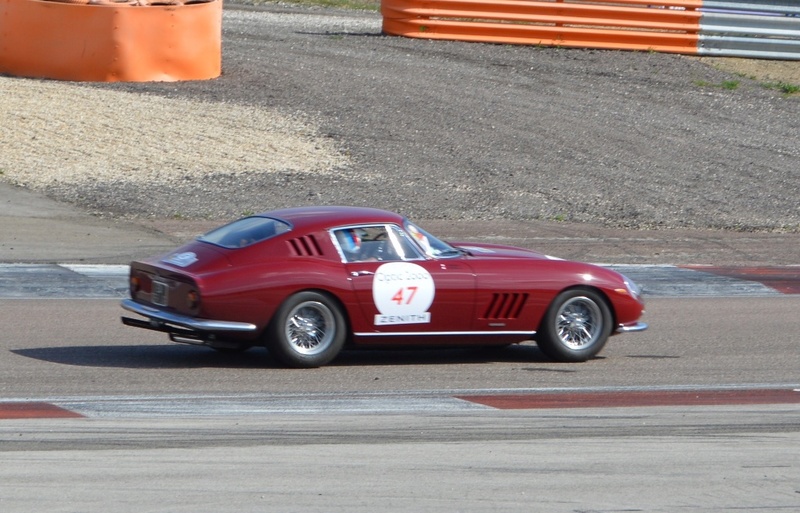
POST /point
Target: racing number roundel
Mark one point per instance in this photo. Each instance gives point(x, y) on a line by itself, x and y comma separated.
point(402, 292)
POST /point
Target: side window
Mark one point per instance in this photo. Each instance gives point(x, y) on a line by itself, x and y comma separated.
point(349, 242)
point(406, 249)
point(374, 244)
point(246, 231)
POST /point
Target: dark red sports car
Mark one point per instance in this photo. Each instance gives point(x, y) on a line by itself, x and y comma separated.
point(307, 282)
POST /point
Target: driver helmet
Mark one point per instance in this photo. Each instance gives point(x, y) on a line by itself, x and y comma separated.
point(350, 240)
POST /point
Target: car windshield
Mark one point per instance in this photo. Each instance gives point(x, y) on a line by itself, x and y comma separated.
point(432, 246)
point(245, 232)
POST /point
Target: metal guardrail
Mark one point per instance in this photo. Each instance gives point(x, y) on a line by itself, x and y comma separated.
point(758, 29)
point(745, 28)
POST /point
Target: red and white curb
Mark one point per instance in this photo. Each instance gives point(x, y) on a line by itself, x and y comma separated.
point(464, 401)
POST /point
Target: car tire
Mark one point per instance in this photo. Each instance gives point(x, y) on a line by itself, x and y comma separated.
point(576, 326)
point(308, 330)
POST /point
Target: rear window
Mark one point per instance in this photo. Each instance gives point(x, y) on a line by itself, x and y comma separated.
point(245, 232)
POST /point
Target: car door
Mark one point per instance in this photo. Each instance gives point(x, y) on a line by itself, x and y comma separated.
point(415, 296)
point(404, 292)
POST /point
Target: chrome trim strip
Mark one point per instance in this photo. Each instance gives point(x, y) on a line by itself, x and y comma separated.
point(159, 316)
point(442, 333)
point(634, 328)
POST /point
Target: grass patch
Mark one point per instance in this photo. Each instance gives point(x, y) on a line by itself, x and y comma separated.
point(728, 85)
point(783, 87)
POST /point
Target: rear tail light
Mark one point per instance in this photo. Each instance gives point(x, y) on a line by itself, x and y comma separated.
point(135, 285)
point(192, 300)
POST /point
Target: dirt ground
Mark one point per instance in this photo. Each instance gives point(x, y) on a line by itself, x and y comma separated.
point(768, 71)
point(317, 106)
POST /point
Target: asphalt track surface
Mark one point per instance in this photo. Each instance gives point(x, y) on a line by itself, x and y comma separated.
point(699, 413)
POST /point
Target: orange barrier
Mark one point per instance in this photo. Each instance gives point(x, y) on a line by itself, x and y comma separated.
point(110, 43)
point(650, 25)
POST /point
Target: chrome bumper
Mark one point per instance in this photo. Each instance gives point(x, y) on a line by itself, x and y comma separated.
point(631, 328)
point(159, 319)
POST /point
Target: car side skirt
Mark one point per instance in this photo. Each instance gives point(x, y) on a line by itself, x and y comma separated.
point(447, 334)
point(442, 338)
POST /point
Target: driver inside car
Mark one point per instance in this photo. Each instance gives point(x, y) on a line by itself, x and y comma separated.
point(350, 241)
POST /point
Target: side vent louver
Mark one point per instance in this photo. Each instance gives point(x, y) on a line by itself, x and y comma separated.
point(305, 246)
point(505, 305)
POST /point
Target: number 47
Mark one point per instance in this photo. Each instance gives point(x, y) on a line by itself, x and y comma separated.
point(405, 295)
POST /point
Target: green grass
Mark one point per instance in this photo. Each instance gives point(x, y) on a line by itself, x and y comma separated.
point(783, 87)
point(729, 85)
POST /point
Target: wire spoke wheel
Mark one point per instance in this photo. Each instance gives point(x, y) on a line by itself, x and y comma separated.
point(576, 326)
point(579, 322)
point(310, 328)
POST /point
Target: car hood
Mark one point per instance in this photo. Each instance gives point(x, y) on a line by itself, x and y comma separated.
point(481, 250)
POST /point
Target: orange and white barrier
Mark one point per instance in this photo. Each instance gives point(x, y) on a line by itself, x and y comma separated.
point(110, 41)
point(742, 28)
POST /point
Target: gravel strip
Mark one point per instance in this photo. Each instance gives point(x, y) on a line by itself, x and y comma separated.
point(66, 135)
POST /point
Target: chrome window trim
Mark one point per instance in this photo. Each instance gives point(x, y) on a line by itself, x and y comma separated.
point(391, 230)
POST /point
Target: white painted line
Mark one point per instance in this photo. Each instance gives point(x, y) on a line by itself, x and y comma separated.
point(98, 270)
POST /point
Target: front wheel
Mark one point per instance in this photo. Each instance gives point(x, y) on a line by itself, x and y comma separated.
point(308, 330)
point(575, 327)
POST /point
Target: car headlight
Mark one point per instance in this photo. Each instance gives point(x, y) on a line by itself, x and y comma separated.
point(633, 289)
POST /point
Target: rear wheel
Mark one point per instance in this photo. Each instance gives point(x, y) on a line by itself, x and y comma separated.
point(576, 326)
point(308, 330)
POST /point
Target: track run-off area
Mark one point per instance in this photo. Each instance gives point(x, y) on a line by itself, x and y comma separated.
point(47, 286)
point(701, 412)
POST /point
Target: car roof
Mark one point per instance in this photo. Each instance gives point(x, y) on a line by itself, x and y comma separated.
point(324, 217)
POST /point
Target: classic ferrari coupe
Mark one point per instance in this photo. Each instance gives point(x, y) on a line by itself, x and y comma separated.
point(307, 282)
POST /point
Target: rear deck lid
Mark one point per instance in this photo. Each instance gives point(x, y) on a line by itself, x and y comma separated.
point(195, 258)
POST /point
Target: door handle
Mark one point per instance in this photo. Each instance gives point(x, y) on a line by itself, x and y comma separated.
point(361, 273)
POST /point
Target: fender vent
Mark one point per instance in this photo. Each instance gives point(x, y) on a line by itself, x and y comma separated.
point(305, 246)
point(505, 305)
